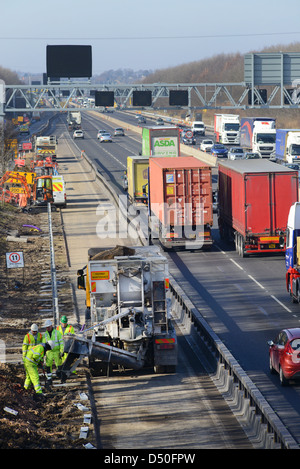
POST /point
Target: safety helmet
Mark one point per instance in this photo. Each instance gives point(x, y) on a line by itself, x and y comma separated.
point(34, 328)
point(51, 343)
point(64, 319)
point(48, 323)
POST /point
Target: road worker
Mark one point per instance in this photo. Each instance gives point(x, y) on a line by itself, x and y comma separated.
point(34, 357)
point(65, 328)
point(33, 337)
point(56, 353)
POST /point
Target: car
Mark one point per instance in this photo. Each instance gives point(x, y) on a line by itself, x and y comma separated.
point(206, 145)
point(159, 121)
point(105, 137)
point(141, 120)
point(218, 150)
point(235, 153)
point(251, 155)
point(187, 137)
point(78, 134)
point(119, 131)
point(100, 132)
point(294, 166)
point(284, 355)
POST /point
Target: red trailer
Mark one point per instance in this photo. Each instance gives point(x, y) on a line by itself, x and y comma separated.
point(254, 198)
point(180, 202)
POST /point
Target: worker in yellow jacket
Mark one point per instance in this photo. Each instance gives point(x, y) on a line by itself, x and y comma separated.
point(56, 353)
point(65, 328)
point(33, 358)
point(33, 337)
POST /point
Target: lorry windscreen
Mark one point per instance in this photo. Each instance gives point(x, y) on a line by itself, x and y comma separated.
point(266, 138)
point(232, 126)
point(295, 149)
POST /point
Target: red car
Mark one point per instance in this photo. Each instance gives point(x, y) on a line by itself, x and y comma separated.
point(284, 354)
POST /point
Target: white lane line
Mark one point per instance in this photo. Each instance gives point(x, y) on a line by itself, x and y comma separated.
point(281, 304)
point(257, 283)
point(235, 263)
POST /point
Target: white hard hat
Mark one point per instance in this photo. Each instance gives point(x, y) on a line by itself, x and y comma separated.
point(34, 328)
point(48, 323)
point(51, 343)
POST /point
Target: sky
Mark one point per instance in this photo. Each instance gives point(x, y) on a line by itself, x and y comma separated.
point(138, 35)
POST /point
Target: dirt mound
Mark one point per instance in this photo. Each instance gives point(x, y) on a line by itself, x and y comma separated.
point(48, 422)
point(51, 421)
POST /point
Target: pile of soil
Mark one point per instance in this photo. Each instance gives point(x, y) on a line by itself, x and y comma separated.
point(51, 421)
point(47, 422)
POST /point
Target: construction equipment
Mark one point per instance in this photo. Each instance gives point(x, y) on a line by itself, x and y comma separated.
point(13, 183)
point(43, 191)
point(128, 321)
point(45, 146)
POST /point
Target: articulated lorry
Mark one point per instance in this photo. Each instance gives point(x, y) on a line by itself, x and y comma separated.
point(288, 145)
point(258, 135)
point(254, 199)
point(74, 120)
point(180, 200)
point(227, 129)
point(161, 141)
point(292, 254)
point(128, 319)
point(137, 178)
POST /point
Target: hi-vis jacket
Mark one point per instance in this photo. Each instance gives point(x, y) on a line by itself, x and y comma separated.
point(67, 330)
point(35, 354)
point(30, 340)
point(57, 338)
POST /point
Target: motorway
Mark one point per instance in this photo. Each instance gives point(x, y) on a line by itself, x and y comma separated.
point(243, 299)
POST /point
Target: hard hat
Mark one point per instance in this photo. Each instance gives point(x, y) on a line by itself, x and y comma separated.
point(34, 328)
point(51, 343)
point(48, 323)
point(64, 319)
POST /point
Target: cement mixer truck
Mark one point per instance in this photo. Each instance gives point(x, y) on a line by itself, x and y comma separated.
point(128, 318)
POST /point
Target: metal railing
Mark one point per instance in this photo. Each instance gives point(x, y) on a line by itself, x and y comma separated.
point(55, 307)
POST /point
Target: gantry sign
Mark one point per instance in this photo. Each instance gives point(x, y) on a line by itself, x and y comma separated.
point(270, 81)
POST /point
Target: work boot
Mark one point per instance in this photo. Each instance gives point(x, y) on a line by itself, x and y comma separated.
point(58, 372)
point(48, 384)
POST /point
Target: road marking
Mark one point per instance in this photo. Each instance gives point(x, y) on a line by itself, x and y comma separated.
point(281, 304)
point(235, 263)
point(257, 283)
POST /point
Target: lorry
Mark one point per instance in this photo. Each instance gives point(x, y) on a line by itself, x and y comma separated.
point(258, 135)
point(137, 178)
point(198, 128)
point(45, 146)
point(128, 316)
point(292, 253)
point(288, 145)
point(161, 141)
point(180, 202)
point(254, 198)
point(227, 129)
point(74, 120)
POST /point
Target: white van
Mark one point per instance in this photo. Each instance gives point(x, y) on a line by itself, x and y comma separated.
point(198, 127)
point(59, 191)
